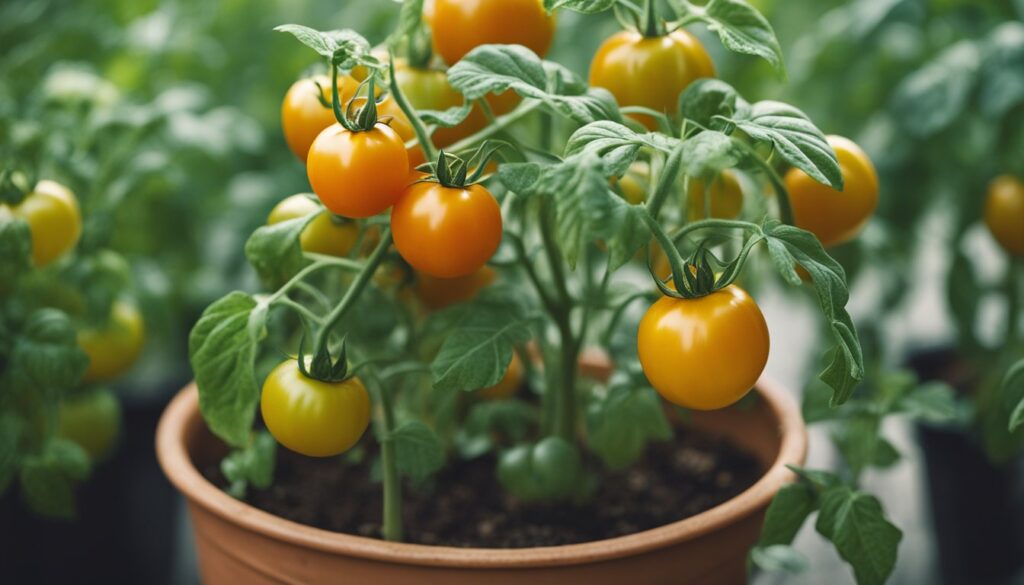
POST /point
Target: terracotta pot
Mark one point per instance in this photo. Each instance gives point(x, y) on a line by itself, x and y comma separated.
point(237, 543)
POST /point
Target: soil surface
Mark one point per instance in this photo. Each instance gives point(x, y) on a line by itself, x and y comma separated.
point(465, 506)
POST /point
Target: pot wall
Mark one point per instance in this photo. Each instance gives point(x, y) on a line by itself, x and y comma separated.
point(237, 543)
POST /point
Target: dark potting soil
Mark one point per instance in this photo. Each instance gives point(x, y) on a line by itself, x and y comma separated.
point(465, 506)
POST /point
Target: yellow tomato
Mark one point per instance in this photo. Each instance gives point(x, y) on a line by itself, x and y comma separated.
point(113, 348)
point(1004, 213)
point(51, 211)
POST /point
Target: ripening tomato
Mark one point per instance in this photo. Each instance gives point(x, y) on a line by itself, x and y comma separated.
point(650, 71)
point(446, 232)
point(51, 211)
point(835, 217)
point(634, 184)
point(428, 89)
point(725, 194)
point(508, 385)
point(113, 348)
point(704, 353)
point(459, 26)
point(358, 174)
point(314, 418)
point(438, 293)
point(303, 117)
point(325, 234)
point(92, 420)
point(1004, 213)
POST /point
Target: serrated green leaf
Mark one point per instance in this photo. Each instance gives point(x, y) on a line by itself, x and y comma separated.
point(479, 339)
point(497, 68)
point(615, 144)
point(275, 251)
point(631, 232)
point(418, 450)
point(583, 6)
point(795, 138)
point(707, 98)
point(222, 351)
point(856, 525)
point(347, 46)
point(740, 26)
point(790, 246)
point(622, 423)
point(46, 358)
point(709, 153)
point(931, 98)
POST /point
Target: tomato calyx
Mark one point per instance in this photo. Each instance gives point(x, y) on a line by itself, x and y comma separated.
point(15, 185)
point(363, 119)
point(322, 366)
point(648, 23)
point(454, 172)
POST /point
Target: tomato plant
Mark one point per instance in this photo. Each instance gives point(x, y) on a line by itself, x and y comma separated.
point(519, 238)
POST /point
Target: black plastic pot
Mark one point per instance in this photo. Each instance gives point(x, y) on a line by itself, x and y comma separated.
point(977, 507)
point(124, 531)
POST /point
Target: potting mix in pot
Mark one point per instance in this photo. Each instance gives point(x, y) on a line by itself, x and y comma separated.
point(508, 328)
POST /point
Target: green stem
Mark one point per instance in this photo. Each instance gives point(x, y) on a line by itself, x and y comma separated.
point(722, 224)
point(675, 260)
point(392, 483)
point(666, 182)
point(352, 294)
point(650, 20)
point(336, 261)
point(300, 309)
point(295, 280)
point(785, 209)
point(531, 273)
point(422, 136)
point(499, 125)
point(339, 115)
point(551, 251)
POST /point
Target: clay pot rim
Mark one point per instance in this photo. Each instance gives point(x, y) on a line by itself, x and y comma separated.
point(183, 412)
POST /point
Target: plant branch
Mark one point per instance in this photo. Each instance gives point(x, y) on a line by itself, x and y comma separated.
point(422, 136)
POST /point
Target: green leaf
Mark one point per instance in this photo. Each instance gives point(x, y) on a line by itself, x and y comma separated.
point(222, 351)
point(497, 68)
point(410, 17)
point(933, 402)
point(622, 422)
point(479, 338)
point(789, 246)
point(1012, 391)
point(707, 98)
point(274, 250)
point(616, 145)
point(709, 153)
point(740, 26)
point(795, 137)
point(15, 250)
point(447, 118)
point(583, 202)
point(46, 490)
point(10, 435)
point(631, 232)
point(778, 557)
point(931, 98)
point(520, 177)
point(46, 359)
point(487, 420)
point(856, 525)
point(787, 513)
point(418, 450)
point(861, 446)
point(1002, 70)
point(253, 465)
point(348, 46)
point(584, 6)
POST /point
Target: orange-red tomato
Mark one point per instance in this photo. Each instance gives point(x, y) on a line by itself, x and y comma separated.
point(835, 217)
point(358, 174)
point(459, 26)
point(446, 232)
point(650, 71)
point(704, 353)
point(303, 117)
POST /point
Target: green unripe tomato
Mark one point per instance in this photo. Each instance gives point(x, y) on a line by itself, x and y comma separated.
point(550, 470)
point(93, 420)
